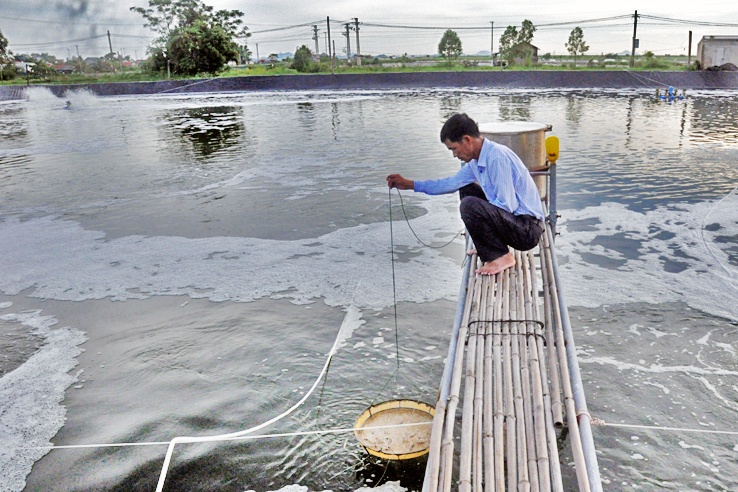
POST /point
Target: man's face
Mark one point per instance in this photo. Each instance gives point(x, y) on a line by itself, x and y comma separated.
point(463, 150)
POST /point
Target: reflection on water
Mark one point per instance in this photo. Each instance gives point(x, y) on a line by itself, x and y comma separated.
point(515, 107)
point(714, 121)
point(209, 130)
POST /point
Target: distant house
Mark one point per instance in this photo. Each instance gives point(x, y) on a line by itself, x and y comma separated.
point(527, 47)
point(23, 67)
point(717, 50)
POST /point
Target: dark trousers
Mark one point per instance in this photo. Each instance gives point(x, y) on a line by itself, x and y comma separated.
point(493, 229)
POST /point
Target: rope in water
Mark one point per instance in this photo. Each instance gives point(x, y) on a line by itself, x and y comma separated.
point(345, 430)
point(394, 282)
point(319, 432)
point(404, 212)
point(235, 435)
point(663, 428)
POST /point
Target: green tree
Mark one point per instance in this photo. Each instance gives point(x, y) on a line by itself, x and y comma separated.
point(515, 43)
point(201, 48)
point(7, 69)
point(4, 53)
point(193, 38)
point(576, 45)
point(303, 61)
point(450, 46)
point(508, 40)
point(526, 32)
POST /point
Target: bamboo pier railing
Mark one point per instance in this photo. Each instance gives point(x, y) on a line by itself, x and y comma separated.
point(513, 370)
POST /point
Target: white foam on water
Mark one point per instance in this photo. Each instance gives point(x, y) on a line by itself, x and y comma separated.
point(351, 322)
point(31, 412)
point(60, 260)
point(669, 235)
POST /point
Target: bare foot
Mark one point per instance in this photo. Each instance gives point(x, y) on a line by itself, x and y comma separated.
point(496, 266)
point(472, 252)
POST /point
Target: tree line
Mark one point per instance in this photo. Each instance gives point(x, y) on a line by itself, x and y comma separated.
point(193, 38)
point(515, 44)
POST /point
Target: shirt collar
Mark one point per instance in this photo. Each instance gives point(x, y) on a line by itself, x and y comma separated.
point(482, 161)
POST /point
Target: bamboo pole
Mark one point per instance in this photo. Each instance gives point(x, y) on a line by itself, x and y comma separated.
point(551, 422)
point(575, 378)
point(540, 411)
point(499, 424)
point(479, 387)
point(523, 484)
point(489, 342)
point(442, 471)
point(571, 416)
point(556, 406)
point(528, 389)
point(510, 425)
point(467, 420)
point(432, 479)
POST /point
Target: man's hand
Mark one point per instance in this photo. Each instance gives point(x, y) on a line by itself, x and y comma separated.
point(397, 181)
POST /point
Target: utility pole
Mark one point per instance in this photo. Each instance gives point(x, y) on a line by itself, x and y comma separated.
point(635, 41)
point(333, 56)
point(258, 60)
point(492, 42)
point(110, 44)
point(358, 50)
point(330, 53)
point(348, 42)
point(77, 46)
point(315, 38)
point(689, 51)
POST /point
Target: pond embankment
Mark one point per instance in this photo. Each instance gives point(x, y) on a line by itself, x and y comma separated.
point(532, 79)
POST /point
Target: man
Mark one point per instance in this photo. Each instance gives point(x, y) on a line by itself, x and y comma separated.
point(500, 204)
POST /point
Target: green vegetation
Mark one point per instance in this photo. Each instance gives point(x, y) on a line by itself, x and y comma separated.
point(450, 46)
point(193, 39)
point(7, 70)
point(604, 61)
point(304, 62)
point(197, 42)
point(576, 45)
point(516, 45)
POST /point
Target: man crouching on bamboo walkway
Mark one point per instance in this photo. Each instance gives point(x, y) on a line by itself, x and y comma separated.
point(500, 204)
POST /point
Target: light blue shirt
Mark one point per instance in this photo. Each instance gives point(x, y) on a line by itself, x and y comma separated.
point(501, 174)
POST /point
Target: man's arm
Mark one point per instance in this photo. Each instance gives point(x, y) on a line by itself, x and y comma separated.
point(397, 181)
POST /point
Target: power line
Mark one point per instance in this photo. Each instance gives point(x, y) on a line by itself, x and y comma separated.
point(67, 22)
point(284, 28)
point(51, 43)
point(685, 21)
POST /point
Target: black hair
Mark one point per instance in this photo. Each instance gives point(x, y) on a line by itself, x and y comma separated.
point(457, 126)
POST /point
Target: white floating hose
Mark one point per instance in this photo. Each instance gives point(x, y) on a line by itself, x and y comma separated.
point(352, 313)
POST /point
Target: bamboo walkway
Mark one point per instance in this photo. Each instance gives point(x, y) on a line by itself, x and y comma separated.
point(512, 360)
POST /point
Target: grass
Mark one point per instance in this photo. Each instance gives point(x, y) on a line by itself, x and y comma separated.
point(552, 63)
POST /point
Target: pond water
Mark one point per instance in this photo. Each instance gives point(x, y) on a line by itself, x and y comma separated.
point(181, 265)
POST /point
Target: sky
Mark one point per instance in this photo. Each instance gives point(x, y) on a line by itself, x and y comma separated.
point(66, 28)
